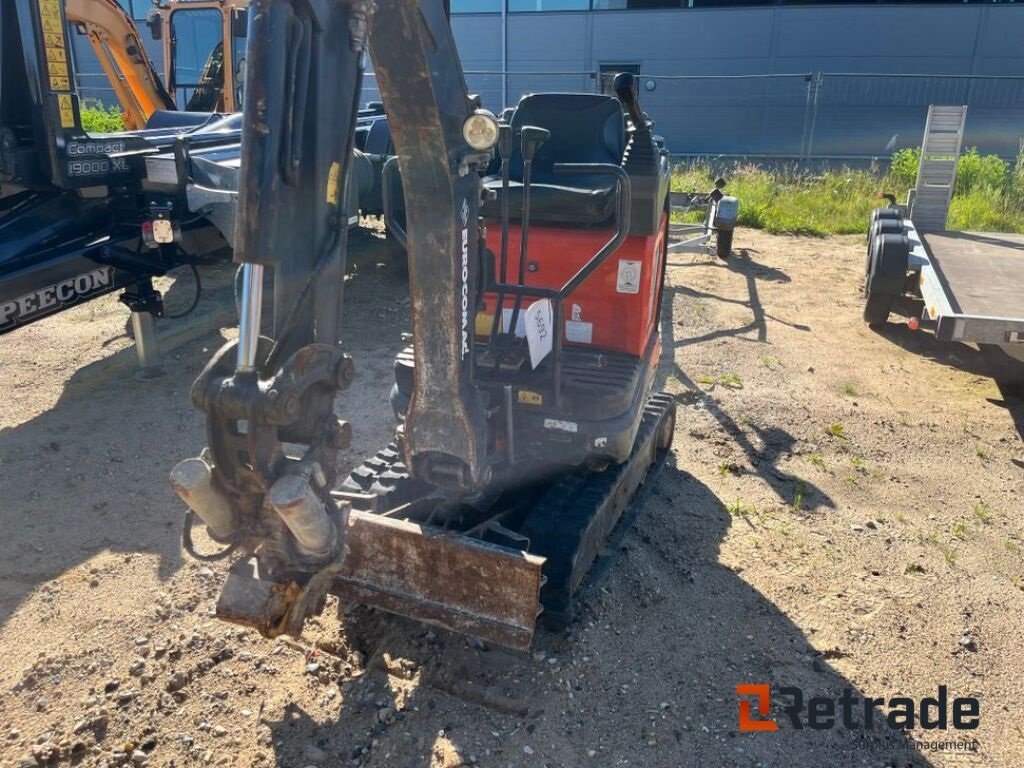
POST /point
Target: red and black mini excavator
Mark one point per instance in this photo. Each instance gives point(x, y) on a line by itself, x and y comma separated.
point(528, 421)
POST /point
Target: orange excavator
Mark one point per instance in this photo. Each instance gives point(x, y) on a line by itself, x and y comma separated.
point(123, 58)
point(203, 44)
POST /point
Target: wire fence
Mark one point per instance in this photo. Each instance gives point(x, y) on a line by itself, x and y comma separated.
point(819, 116)
point(835, 116)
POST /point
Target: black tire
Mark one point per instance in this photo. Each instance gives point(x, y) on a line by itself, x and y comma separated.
point(723, 243)
point(887, 276)
point(879, 227)
point(877, 307)
point(885, 213)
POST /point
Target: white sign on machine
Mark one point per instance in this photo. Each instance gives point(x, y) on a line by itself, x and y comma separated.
point(539, 333)
point(629, 276)
point(577, 329)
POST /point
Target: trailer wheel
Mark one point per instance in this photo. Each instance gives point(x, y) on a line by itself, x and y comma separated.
point(877, 307)
point(723, 243)
point(886, 277)
point(880, 226)
point(885, 213)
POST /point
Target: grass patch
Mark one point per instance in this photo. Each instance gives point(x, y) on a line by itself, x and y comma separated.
point(730, 380)
point(989, 194)
point(960, 529)
point(799, 490)
point(739, 509)
point(837, 430)
point(982, 512)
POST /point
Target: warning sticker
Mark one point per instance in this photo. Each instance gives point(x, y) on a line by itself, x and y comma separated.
point(333, 174)
point(629, 276)
point(67, 110)
point(527, 397)
point(56, 51)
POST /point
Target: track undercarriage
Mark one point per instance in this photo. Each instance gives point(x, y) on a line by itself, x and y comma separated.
point(489, 565)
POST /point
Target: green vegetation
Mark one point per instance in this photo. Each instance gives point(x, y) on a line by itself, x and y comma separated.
point(729, 379)
point(982, 512)
point(739, 509)
point(799, 489)
point(989, 194)
point(100, 119)
point(836, 430)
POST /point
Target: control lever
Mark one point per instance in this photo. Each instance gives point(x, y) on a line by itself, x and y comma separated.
point(627, 89)
point(530, 137)
point(504, 150)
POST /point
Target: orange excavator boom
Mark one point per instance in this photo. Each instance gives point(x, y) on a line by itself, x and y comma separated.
point(123, 58)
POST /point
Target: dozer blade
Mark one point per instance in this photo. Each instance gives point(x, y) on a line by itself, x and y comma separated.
point(441, 578)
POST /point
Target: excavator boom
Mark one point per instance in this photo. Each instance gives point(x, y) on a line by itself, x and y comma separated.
point(301, 104)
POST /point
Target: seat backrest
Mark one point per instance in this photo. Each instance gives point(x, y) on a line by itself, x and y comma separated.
point(585, 128)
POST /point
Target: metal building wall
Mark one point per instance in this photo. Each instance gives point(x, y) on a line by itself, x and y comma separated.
point(848, 115)
point(834, 115)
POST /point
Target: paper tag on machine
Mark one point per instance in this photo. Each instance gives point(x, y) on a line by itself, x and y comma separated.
point(539, 335)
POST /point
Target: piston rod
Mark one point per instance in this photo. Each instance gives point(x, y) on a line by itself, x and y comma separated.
point(249, 317)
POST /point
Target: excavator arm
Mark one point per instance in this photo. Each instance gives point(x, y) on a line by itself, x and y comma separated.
point(123, 58)
point(277, 386)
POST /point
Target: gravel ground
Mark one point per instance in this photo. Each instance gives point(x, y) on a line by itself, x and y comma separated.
point(841, 510)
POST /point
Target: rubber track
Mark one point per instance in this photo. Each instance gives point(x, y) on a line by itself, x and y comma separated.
point(558, 524)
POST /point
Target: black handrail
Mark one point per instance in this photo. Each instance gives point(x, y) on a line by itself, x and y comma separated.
point(623, 198)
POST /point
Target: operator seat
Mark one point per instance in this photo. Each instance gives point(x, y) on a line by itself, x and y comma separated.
point(585, 128)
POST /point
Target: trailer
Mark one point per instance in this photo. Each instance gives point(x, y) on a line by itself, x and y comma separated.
point(970, 284)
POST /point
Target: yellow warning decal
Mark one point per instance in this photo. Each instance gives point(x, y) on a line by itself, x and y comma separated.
point(332, 182)
point(526, 397)
point(56, 49)
point(482, 324)
point(67, 110)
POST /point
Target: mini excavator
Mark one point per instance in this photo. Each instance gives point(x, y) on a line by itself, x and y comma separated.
point(528, 420)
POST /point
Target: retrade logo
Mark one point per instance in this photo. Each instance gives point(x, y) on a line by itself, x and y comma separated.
point(900, 713)
point(763, 697)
